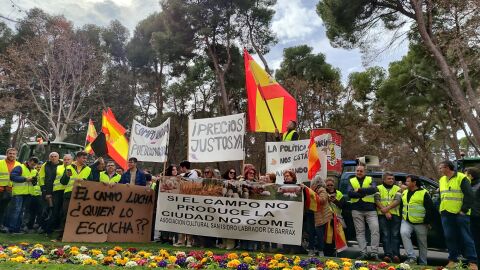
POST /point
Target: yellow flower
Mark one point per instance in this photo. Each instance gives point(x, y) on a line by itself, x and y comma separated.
point(42, 259)
point(286, 268)
point(204, 260)
point(332, 265)
point(233, 264)
point(163, 253)
point(95, 252)
point(232, 256)
point(363, 268)
point(157, 258)
point(172, 259)
point(346, 268)
point(152, 265)
point(345, 259)
point(296, 267)
point(107, 260)
point(278, 256)
point(111, 252)
point(38, 246)
point(74, 252)
point(244, 254)
point(297, 260)
point(248, 260)
point(89, 262)
point(208, 253)
point(121, 261)
point(260, 256)
point(3, 255)
point(347, 264)
point(18, 259)
point(282, 265)
point(117, 248)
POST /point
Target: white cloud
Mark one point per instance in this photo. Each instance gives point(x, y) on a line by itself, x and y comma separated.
point(294, 20)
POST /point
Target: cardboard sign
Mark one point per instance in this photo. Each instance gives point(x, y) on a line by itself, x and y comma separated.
point(216, 139)
point(231, 209)
point(101, 213)
point(149, 144)
point(282, 156)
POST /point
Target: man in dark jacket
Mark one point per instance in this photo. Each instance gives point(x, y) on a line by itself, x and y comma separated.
point(133, 175)
point(50, 175)
point(473, 174)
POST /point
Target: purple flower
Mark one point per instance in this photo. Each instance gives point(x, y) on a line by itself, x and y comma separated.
point(303, 263)
point(36, 253)
point(242, 266)
point(222, 264)
point(162, 264)
point(263, 267)
point(315, 261)
point(180, 261)
point(290, 261)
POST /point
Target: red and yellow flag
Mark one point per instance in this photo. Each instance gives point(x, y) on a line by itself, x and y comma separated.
point(314, 163)
point(262, 87)
point(334, 232)
point(91, 135)
point(117, 144)
point(312, 200)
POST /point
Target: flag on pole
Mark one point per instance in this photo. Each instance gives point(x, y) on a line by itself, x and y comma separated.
point(312, 200)
point(262, 89)
point(314, 164)
point(117, 144)
point(91, 135)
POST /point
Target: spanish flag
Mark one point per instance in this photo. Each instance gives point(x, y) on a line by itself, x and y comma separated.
point(262, 89)
point(312, 200)
point(91, 135)
point(314, 164)
point(117, 144)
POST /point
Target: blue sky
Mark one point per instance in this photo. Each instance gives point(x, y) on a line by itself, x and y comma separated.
point(295, 23)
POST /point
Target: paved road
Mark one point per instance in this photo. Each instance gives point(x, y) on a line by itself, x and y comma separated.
point(435, 258)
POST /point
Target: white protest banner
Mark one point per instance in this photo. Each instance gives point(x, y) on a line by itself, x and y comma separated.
point(231, 209)
point(282, 156)
point(216, 139)
point(149, 144)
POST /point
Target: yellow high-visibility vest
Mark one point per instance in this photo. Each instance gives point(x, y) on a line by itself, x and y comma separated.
point(414, 209)
point(451, 195)
point(386, 198)
point(58, 175)
point(104, 178)
point(367, 182)
point(287, 136)
point(25, 187)
point(82, 175)
point(5, 174)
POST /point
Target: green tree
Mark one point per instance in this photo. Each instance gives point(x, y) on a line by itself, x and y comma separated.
point(313, 82)
point(436, 24)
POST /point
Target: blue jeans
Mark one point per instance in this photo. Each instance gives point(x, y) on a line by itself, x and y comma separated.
point(455, 226)
point(15, 212)
point(390, 232)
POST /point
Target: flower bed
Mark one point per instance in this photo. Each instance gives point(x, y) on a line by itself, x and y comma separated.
point(25, 253)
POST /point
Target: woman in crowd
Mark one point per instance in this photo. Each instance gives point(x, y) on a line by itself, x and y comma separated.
point(230, 174)
point(337, 203)
point(289, 177)
point(249, 175)
point(167, 237)
point(322, 217)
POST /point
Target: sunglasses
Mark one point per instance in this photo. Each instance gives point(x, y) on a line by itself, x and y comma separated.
point(232, 172)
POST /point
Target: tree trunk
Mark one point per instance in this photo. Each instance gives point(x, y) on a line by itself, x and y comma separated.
point(455, 90)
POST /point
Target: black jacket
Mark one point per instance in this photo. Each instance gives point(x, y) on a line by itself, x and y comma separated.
point(50, 174)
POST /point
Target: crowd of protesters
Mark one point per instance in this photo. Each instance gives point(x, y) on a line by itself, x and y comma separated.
point(34, 198)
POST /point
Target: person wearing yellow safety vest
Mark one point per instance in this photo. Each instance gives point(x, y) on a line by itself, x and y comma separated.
point(35, 205)
point(361, 190)
point(417, 209)
point(6, 166)
point(456, 200)
point(473, 173)
point(110, 176)
point(290, 135)
point(79, 170)
point(50, 175)
point(388, 200)
point(23, 177)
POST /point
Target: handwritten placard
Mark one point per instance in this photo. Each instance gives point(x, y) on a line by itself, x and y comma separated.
point(103, 213)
